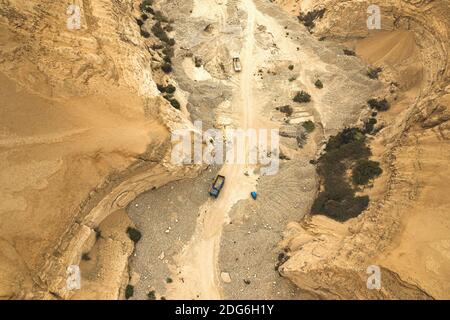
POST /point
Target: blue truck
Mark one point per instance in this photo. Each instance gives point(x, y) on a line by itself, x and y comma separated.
point(217, 186)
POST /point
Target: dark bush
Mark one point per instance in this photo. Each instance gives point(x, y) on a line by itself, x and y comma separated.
point(286, 109)
point(349, 52)
point(302, 97)
point(85, 257)
point(158, 15)
point(167, 59)
point(145, 34)
point(169, 280)
point(365, 171)
point(379, 105)
point(139, 23)
point(346, 136)
point(309, 126)
point(175, 103)
point(98, 233)
point(134, 234)
point(167, 68)
point(129, 291)
point(151, 295)
point(171, 42)
point(309, 18)
point(159, 32)
point(170, 89)
point(373, 73)
point(146, 6)
point(168, 51)
point(318, 84)
point(338, 199)
point(291, 67)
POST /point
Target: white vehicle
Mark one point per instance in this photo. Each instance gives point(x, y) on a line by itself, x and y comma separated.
point(237, 64)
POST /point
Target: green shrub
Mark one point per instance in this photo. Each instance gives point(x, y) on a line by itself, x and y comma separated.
point(349, 52)
point(134, 234)
point(286, 110)
point(129, 291)
point(159, 32)
point(166, 67)
point(171, 42)
point(151, 295)
point(158, 15)
point(85, 257)
point(318, 84)
point(146, 6)
point(175, 103)
point(309, 126)
point(379, 105)
point(98, 233)
point(302, 97)
point(373, 73)
point(145, 34)
point(365, 171)
point(170, 89)
point(168, 51)
point(338, 199)
point(309, 18)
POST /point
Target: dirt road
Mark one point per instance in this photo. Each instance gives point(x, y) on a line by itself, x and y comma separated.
point(196, 273)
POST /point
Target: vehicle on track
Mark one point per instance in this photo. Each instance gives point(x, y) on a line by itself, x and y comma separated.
point(217, 186)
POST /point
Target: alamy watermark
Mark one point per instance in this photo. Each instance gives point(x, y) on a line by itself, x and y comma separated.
point(74, 19)
point(228, 146)
point(374, 19)
point(374, 279)
point(73, 280)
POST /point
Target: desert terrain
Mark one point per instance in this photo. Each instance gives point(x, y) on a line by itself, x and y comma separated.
point(87, 177)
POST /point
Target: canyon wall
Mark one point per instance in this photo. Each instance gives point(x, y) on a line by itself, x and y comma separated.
point(406, 229)
point(83, 130)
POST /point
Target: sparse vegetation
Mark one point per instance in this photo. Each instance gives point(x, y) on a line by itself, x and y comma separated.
point(291, 67)
point(151, 295)
point(309, 18)
point(170, 89)
point(85, 257)
point(379, 105)
point(349, 52)
point(98, 233)
point(338, 199)
point(129, 291)
point(365, 171)
point(175, 103)
point(318, 84)
point(286, 110)
point(302, 97)
point(146, 6)
point(373, 73)
point(134, 234)
point(167, 67)
point(309, 126)
point(169, 280)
